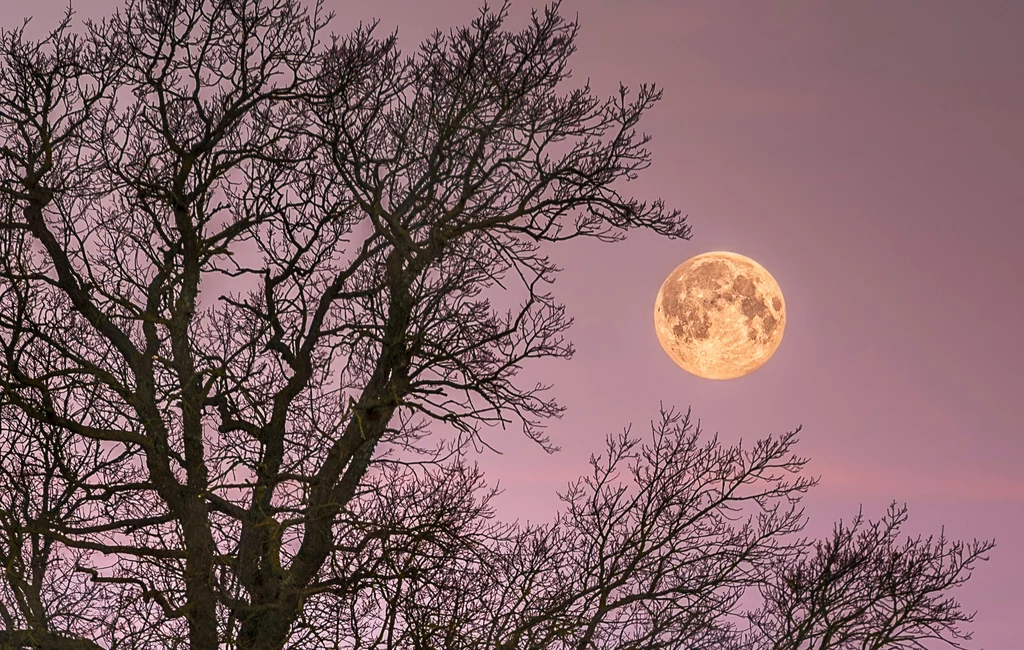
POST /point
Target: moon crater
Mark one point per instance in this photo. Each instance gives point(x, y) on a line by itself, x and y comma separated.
point(720, 315)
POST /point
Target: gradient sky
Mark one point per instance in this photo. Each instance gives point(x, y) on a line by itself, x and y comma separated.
point(871, 156)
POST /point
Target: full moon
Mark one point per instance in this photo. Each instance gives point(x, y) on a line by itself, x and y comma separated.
point(720, 315)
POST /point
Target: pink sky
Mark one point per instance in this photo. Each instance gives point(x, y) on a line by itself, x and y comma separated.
point(871, 156)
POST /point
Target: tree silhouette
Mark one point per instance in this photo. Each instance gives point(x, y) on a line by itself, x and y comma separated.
point(246, 284)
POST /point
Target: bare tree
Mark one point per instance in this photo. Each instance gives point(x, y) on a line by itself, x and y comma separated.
point(863, 588)
point(247, 330)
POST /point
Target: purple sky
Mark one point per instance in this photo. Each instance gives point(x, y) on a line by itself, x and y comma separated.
point(871, 156)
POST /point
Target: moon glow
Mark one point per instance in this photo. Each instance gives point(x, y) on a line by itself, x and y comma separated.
point(720, 315)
